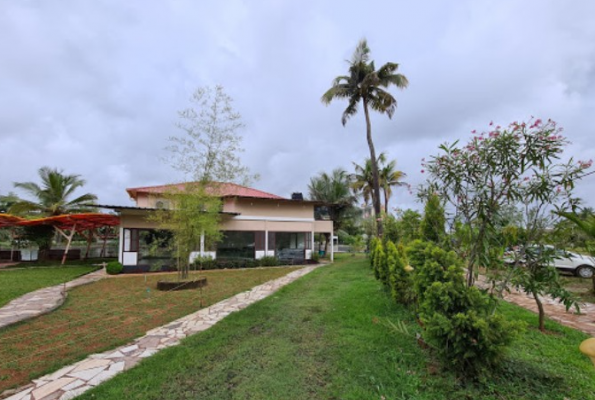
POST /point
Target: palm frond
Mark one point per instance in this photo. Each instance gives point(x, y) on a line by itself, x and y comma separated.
point(361, 53)
point(351, 109)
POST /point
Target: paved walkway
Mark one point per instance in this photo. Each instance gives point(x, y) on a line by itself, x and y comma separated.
point(75, 379)
point(43, 300)
point(585, 321)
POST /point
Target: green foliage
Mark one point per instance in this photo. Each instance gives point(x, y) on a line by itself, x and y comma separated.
point(366, 84)
point(315, 257)
point(416, 253)
point(270, 261)
point(195, 212)
point(433, 222)
point(53, 196)
point(408, 225)
point(497, 171)
point(379, 259)
point(373, 245)
point(334, 191)
point(399, 280)
point(114, 268)
point(458, 320)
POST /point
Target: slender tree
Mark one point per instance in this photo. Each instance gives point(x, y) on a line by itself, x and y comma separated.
point(389, 178)
point(363, 180)
point(366, 84)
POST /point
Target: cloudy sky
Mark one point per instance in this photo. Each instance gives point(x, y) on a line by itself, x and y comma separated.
point(93, 88)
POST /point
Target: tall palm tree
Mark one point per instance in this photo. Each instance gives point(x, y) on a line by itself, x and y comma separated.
point(366, 84)
point(389, 178)
point(362, 180)
point(52, 197)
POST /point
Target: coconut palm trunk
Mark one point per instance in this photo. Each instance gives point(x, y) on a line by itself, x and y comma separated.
point(375, 178)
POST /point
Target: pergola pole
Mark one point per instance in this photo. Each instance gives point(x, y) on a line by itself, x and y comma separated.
point(69, 241)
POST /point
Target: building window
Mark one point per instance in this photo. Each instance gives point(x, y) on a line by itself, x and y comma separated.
point(236, 244)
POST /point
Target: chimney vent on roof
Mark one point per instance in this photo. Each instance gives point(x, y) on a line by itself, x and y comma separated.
point(297, 196)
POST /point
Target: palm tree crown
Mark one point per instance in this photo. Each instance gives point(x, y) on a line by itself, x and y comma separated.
point(366, 84)
point(52, 196)
point(334, 191)
point(362, 180)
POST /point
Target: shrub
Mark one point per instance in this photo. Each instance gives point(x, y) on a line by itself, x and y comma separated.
point(458, 321)
point(315, 257)
point(114, 268)
point(379, 259)
point(268, 261)
point(399, 280)
point(372, 247)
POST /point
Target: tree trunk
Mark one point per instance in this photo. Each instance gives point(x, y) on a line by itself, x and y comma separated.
point(375, 180)
point(386, 201)
point(541, 312)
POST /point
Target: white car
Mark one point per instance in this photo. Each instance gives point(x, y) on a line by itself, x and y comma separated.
point(578, 264)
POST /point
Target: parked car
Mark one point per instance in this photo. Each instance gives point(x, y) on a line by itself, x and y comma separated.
point(578, 264)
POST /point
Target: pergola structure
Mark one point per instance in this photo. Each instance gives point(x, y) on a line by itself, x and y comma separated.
point(85, 224)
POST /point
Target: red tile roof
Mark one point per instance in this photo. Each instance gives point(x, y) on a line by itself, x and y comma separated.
point(221, 189)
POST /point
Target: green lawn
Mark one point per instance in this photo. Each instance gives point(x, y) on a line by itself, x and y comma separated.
point(17, 282)
point(109, 313)
point(326, 337)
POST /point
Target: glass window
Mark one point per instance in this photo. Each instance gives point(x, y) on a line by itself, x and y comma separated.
point(236, 244)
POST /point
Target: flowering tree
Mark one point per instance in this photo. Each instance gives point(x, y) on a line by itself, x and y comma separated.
point(515, 166)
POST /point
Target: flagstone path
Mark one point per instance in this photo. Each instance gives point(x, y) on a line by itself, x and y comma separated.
point(44, 300)
point(75, 379)
point(585, 321)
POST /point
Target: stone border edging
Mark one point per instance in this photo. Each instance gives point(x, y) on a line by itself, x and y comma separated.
point(43, 301)
point(73, 380)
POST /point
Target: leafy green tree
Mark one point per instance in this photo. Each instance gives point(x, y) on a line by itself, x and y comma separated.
point(194, 218)
point(433, 222)
point(208, 153)
point(366, 84)
point(210, 146)
point(502, 168)
point(408, 224)
point(52, 197)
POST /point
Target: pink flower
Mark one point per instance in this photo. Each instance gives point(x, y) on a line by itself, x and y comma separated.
point(491, 123)
point(474, 131)
point(423, 171)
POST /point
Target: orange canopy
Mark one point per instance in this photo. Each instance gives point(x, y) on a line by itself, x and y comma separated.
point(7, 220)
point(81, 222)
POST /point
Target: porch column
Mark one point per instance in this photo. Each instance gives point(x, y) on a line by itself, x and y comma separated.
point(202, 244)
point(266, 242)
point(121, 245)
point(332, 247)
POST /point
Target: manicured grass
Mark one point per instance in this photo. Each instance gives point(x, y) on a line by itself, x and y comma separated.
point(326, 337)
point(109, 313)
point(17, 282)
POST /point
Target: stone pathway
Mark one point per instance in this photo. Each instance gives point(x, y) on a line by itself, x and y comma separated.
point(585, 321)
point(75, 379)
point(43, 300)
